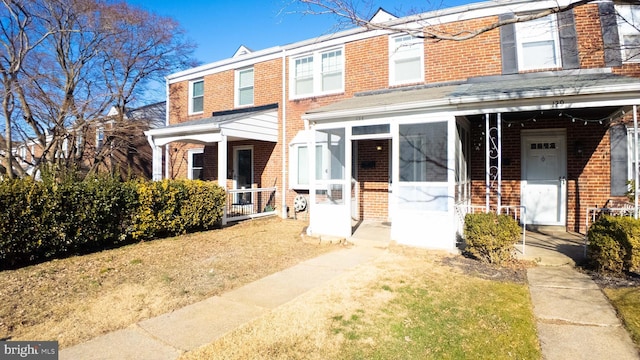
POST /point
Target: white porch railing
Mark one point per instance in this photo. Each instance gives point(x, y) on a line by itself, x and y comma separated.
point(245, 204)
point(518, 212)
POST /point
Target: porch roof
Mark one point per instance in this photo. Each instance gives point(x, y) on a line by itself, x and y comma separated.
point(507, 93)
point(257, 123)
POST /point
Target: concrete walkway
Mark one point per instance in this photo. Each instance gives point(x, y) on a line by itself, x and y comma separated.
point(574, 318)
point(169, 335)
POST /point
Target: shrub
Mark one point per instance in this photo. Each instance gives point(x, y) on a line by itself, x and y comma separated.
point(491, 237)
point(172, 207)
point(614, 244)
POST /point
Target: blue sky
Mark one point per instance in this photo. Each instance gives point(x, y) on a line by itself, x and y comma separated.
point(219, 27)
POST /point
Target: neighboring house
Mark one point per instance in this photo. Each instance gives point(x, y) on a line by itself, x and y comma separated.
point(114, 144)
point(380, 125)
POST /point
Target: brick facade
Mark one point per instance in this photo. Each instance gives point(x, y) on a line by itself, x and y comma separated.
point(366, 69)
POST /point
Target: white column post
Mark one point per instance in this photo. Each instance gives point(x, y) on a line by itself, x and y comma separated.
point(635, 159)
point(222, 173)
point(156, 168)
point(487, 159)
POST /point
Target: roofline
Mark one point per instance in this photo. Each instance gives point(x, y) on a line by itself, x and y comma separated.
point(596, 93)
point(457, 13)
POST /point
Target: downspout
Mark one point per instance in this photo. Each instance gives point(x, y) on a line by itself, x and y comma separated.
point(284, 135)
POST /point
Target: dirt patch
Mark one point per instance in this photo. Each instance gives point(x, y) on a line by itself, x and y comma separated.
point(75, 299)
point(614, 281)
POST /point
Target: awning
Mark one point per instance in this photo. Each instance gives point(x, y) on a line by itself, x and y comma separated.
point(256, 123)
point(508, 93)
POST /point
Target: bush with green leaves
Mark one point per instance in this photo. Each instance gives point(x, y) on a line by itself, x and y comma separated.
point(53, 218)
point(490, 237)
point(614, 244)
point(172, 207)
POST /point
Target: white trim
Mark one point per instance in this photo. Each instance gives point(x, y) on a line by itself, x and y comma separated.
point(236, 87)
point(190, 99)
point(627, 29)
point(316, 74)
point(406, 51)
point(190, 167)
point(538, 31)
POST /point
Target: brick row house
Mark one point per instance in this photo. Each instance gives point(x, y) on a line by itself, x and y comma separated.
point(373, 124)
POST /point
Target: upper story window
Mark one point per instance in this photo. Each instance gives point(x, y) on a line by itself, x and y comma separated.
point(196, 97)
point(538, 44)
point(406, 59)
point(244, 87)
point(629, 31)
point(319, 73)
point(99, 136)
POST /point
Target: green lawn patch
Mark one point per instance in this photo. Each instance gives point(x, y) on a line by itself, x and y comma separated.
point(626, 300)
point(457, 318)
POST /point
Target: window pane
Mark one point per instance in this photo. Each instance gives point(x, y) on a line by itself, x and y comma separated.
point(197, 105)
point(332, 66)
point(246, 78)
point(371, 129)
point(632, 47)
point(408, 69)
point(539, 54)
point(198, 88)
point(245, 96)
point(423, 152)
point(303, 165)
point(198, 160)
point(332, 143)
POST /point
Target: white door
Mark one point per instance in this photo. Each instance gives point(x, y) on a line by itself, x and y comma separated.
point(243, 173)
point(331, 184)
point(544, 172)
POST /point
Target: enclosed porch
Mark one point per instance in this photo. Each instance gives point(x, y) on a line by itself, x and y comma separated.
point(543, 147)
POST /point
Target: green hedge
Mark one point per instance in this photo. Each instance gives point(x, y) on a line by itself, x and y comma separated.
point(49, 219)
point(614, 244)
point(491, 237)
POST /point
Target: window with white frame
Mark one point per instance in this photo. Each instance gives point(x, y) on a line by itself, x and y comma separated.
point(299, 165)
point(244, 87)
point(538, 44)
point(406, 59)
point(99, 137)
point(629, 31)
point(196, 164)
point(318, 73)
point(196, 97)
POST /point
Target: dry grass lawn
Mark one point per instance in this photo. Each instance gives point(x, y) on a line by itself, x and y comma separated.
point(75, 299)
point(408, 304)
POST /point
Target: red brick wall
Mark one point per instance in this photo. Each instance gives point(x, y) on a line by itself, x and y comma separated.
point(458, 60)
point(367, 69)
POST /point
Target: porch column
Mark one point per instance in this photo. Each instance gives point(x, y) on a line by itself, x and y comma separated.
point(635, 159)
point(222, 163)
point(222, 172)
point(157, 163)
point(487, 159)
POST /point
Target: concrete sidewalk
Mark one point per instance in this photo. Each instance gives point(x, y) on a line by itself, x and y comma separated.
point(573, 317)
point(169, 335)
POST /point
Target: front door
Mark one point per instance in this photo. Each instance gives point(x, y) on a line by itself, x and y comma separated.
point(243, 173)
point(544, 172)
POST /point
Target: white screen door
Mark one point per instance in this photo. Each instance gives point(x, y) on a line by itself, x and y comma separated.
point(243, 173)
point(544, 171)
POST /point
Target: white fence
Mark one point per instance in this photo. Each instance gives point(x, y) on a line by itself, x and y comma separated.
point(245, 204)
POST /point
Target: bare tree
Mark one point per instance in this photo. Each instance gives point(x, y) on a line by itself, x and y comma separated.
point(89, 55)
point(350, 14)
